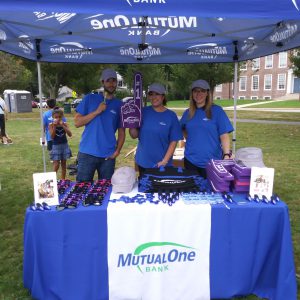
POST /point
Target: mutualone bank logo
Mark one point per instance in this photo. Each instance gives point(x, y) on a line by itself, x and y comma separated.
point(71, 50)
point(157, 257)
point(140, 54)
point(157, 26)
point(207, 50)
point(284, 32)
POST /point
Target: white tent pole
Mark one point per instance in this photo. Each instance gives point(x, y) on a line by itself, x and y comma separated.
point(235, 104)
point(41, 113)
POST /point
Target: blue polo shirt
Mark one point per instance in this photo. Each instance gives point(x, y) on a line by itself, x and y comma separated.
point(47, 119)
point(98, 138)
point(157, 130)
point(203, 135)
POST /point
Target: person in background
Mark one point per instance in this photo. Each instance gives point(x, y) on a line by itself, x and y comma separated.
point(206, 129)
point(3, 118)
point(4, 138)
point(100, 114)
point(60, 151)
point(47, 119)
point(159, 132)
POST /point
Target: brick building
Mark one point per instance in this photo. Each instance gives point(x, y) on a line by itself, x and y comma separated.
point(269, 77)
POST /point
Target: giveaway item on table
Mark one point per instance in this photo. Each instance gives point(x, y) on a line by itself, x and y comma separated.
point(169, 179)
point(45, 188)
point(274, 199)
point(219, 177)
point(123, 180)
point(76, 195)
point(131, 110)
point(228, 175)
point(63, 186)
point(84, 193)
point(250, 157)
point(97, 193)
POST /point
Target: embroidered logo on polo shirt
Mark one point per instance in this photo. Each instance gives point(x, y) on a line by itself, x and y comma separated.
point(205, 119)
point(162, 123)
point(113, 111)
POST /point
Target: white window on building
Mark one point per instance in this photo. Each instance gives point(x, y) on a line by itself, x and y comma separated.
point(243, 66)
point(255, 63)
point(219, 88)
point(281, 82)
point(243, 83)
point(268, 82)
point(255, 82)
point(267, 97)
point(242, 97)
point(282, 63)
point(254, 97)
point(269, 62)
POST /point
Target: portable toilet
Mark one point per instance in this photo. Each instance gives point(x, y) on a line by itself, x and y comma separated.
point(18, 101)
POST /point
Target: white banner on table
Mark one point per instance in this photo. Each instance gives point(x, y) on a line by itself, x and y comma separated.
point(158, 252)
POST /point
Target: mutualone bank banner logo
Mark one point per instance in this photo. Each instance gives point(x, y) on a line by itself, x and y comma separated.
point(156, 26)
point(157, 257)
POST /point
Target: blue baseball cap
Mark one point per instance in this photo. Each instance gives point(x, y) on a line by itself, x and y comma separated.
point(202, 84)
point(107, 74)
point(157, 88)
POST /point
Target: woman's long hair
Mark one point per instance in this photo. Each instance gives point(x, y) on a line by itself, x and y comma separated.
point(207, 106)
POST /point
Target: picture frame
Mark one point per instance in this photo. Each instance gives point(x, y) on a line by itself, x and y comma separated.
point(45, 188)
point(261, 182)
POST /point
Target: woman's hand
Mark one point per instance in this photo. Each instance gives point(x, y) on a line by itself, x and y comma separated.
point(161, 163)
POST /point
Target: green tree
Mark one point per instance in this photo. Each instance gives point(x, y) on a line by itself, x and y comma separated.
point(184, 74)
point(80, 77)
point(295, 60)
point(13, 74)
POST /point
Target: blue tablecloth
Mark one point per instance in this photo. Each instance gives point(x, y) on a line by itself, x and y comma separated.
point(65, 253)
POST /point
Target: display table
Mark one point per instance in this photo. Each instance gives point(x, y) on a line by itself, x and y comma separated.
point(65, 253)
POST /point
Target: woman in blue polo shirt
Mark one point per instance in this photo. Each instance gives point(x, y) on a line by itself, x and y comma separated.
point(159, 132)
point(206, 128)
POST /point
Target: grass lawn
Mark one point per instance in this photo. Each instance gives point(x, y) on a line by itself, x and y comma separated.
point(280, 104)
point(280, 144)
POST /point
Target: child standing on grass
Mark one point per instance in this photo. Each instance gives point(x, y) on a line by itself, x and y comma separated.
point(60, 149)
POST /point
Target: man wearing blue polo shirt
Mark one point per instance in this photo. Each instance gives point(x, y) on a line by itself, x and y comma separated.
point(100, 115)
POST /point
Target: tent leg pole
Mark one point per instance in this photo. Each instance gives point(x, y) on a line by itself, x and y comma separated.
point(235, 107)
point(41, 113)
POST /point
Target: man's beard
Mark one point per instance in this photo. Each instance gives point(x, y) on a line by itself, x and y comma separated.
point(109, 92)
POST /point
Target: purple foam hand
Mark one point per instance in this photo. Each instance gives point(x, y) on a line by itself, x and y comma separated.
point(131, 114)
point(131, 110)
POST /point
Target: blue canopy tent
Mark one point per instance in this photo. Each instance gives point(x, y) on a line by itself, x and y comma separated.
point(148, 31)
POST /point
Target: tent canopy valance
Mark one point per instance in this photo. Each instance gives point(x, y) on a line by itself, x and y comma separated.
point(148, 31)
